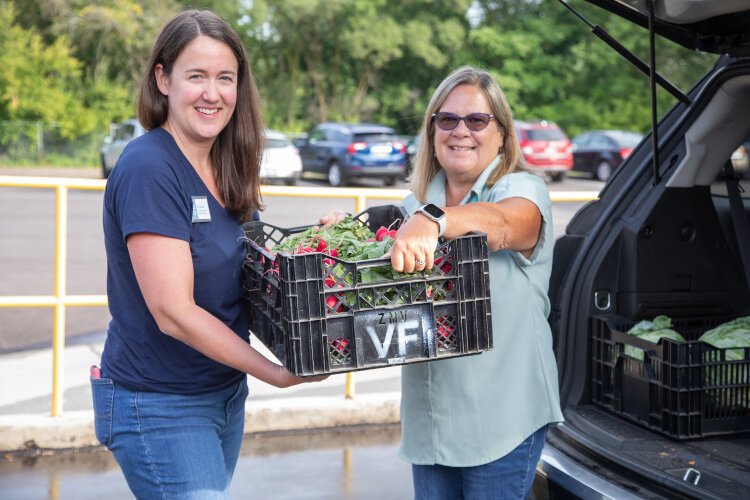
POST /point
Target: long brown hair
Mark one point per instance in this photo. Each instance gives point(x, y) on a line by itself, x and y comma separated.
point(426, 165)
point(238, 149)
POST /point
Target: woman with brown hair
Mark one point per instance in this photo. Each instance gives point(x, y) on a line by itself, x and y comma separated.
point(169, 400)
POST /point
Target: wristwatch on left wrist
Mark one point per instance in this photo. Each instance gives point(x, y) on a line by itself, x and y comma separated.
point(434, 213)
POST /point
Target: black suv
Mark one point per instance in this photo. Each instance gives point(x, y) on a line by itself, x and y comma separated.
point(669, 235)
point(343, 151)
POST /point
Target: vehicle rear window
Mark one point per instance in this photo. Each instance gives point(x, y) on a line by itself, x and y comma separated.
point(276, 143)
point(125, 132)
point(545, 134)
point(627, 139)
point(375, 138)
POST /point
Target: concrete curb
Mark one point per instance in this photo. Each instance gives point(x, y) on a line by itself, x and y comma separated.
point(75, 429)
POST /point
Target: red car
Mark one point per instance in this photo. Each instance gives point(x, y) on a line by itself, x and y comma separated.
point(546, 148)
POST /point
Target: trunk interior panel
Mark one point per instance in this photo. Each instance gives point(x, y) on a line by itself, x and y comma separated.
point(722, 464)
point(675, 417)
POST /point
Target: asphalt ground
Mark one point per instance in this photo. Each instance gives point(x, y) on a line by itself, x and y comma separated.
point(26, 366)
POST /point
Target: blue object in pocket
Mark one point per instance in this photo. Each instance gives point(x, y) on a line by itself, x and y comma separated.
point(103, 393)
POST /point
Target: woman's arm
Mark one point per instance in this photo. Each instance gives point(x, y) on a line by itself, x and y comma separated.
point(164, 269)
point(510, 224)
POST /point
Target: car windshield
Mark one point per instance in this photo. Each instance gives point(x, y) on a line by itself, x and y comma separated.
point(273, 143)
point(545, 134)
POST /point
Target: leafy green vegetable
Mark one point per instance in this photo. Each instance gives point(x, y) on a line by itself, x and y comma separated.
point(349, 237)
point(735, 333)
point(652, 331)
point(352, 241)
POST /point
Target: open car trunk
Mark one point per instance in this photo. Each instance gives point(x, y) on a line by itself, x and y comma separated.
point(673, 420)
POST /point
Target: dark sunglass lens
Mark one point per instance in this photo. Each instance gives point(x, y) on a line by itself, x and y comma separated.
point(477, 121)
point(446, 121)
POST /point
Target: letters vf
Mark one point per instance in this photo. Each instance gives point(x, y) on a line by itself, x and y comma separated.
point(403, 337)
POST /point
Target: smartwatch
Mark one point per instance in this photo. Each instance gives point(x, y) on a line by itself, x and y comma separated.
point(435, 213)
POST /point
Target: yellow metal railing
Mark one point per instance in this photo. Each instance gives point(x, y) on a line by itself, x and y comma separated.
point(60, 300)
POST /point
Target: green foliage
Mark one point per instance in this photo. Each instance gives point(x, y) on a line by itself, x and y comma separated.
point(75, 64)
point(320, 60)
point(40, 82)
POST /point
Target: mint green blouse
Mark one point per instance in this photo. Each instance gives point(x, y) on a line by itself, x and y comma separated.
point(472, 410)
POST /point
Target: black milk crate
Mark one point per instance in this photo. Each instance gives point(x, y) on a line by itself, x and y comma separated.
point(682, 389)
point(432, 315)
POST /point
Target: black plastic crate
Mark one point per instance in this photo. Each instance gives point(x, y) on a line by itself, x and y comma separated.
point(682, 389)
point(317, 315)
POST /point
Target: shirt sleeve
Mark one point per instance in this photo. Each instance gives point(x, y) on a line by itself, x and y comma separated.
point(410, 203)
point(148, 198)
point(530, 187)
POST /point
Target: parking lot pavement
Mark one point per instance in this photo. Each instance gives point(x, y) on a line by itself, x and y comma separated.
point(25, 401)
point(25, 398)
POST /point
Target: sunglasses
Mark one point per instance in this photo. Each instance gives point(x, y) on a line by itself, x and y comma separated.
point(474, 121)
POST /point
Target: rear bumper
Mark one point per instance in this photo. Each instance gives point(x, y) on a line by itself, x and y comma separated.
point(282, 175)
point(550, 167)
point(394, 170)
point(563, 475)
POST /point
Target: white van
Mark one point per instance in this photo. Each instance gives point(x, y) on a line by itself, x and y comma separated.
point(119, 135)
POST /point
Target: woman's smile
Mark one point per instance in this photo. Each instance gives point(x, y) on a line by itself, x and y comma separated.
point(464, 153)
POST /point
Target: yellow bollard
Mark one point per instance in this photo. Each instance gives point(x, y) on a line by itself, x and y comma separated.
point(58, 326)
point(349, 388)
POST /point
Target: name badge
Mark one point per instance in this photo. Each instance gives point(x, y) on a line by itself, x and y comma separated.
point(201, 213)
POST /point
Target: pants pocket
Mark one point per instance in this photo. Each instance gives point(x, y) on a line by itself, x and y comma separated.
point(240, 395)
point(103, 394)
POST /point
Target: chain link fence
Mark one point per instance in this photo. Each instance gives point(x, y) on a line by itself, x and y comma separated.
point(27, 143)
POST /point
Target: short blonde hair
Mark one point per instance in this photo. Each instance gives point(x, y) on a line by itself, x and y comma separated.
point(426, 165)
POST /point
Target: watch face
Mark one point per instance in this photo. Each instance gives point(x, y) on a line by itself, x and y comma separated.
point(433, 210)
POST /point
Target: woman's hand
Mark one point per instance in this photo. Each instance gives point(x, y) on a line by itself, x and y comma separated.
point(332, 217)
point(284, 378)
point(415, 244)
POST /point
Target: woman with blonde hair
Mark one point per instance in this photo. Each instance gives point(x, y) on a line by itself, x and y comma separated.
point(474, 427)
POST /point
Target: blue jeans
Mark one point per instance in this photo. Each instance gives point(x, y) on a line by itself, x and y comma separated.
point(170, 445)
point(508, 477)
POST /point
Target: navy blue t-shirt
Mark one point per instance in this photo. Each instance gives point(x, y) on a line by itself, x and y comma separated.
point(154, 189)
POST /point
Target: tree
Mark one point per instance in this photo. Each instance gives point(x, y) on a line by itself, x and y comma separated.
point(78, 63)
point(40, 82)
point(359, 60)
point(552, 67)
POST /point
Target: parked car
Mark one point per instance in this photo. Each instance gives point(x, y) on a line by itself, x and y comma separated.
point(662, 418)
point(412, 143)
point(343, 151)
point(545, 147)
point(599, 152)
point(119, 135)
point(281, 160)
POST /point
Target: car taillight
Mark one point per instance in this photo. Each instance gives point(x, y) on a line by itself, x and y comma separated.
point(356, 146)
point(401, 147)
point(625, 152)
